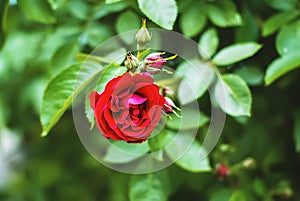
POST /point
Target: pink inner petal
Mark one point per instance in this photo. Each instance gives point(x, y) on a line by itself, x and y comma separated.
point(136, 100)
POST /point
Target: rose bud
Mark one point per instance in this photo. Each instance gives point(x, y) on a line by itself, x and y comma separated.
point(129, 108)
point(131, 62)
point(154, 60)
point(143, 36)
point(222, 170)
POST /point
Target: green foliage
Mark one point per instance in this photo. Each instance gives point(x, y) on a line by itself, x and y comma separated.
point(235, 53)
point(163, 13)
point(254, 45)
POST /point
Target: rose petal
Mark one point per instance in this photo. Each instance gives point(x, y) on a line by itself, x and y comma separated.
point(94, 97)
point(136, 99)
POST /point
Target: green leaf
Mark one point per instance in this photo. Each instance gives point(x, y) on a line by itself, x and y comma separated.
point(97, 33)
point(288, 39)
point(122, 152)
point(251, 74)
point(196, 79)
point(187, 121)
point(128, 21)
point(154, 186)
point(38, 10)
point(297, 131)
point(62, 89)
point(89, 112)
point(159, 141)
point(208, 43)
point(64, 56)
point(249, 31)
point(55, 4)
point(106, 9)
point(188, 159)
point(235, 53)
point(222, 195)
point(163, 13)
point(3, 16)
point(286, 5)
point(276, 21)
point(233, 95)
point(282, 66)
point(111, 1)
point(223, 13)
point(192, 21)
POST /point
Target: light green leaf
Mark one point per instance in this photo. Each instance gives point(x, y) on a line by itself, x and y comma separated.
point(192, 21)
point(235, 53)
point(288, 39)
point(286, 5)
point(128, 21)
point(64, 56)
point(297, 131)
point(233, 95)
point(55, 4)
point(223, 13)
point(188, 159)
point(97, 33)
point(111, 1)
point(38, 10)
point(89, 112)
point(163, 13)
point(208, 43)
point(251, 74)
point(159, 141)
point(106, 9)
point(249, 31)
point(282, 66)
point(154, 186)
point(188, 121)
point(123, 152)
point(62, 89)
point(276, 21)
point(196, 79)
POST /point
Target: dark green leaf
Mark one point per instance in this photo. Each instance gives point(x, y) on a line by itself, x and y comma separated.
point(235, 53)
point(192, 21)
point(154, 186)
point(288, 39)
point(251, 74)
point(163, 13)
point(276, 21)
point(123, 152)
point(282, 66)
point(3, 15)
point(223, 13)
point(188, 159)
point(208, 43)
point(197, 77)
point(233, 95)
point(97, 33)
point(297, 131)
point(38, 10)
point(249, 31)
point(62, 89)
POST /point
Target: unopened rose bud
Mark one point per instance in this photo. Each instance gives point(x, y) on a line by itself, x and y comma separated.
point(131, 62)
point(222, 170)
point(154, 60)
point(143, 36)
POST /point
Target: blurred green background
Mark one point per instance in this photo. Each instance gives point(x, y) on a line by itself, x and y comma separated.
point(39, 38)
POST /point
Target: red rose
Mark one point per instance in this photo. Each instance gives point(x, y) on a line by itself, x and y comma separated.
point(129, 108)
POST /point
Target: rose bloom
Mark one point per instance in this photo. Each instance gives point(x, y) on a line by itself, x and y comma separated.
point(129, 108)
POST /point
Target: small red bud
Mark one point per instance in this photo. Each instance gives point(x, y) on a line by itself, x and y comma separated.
point(222, 170)
point(154, 60)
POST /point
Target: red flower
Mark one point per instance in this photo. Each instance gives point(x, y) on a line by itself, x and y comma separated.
point(129, 108)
